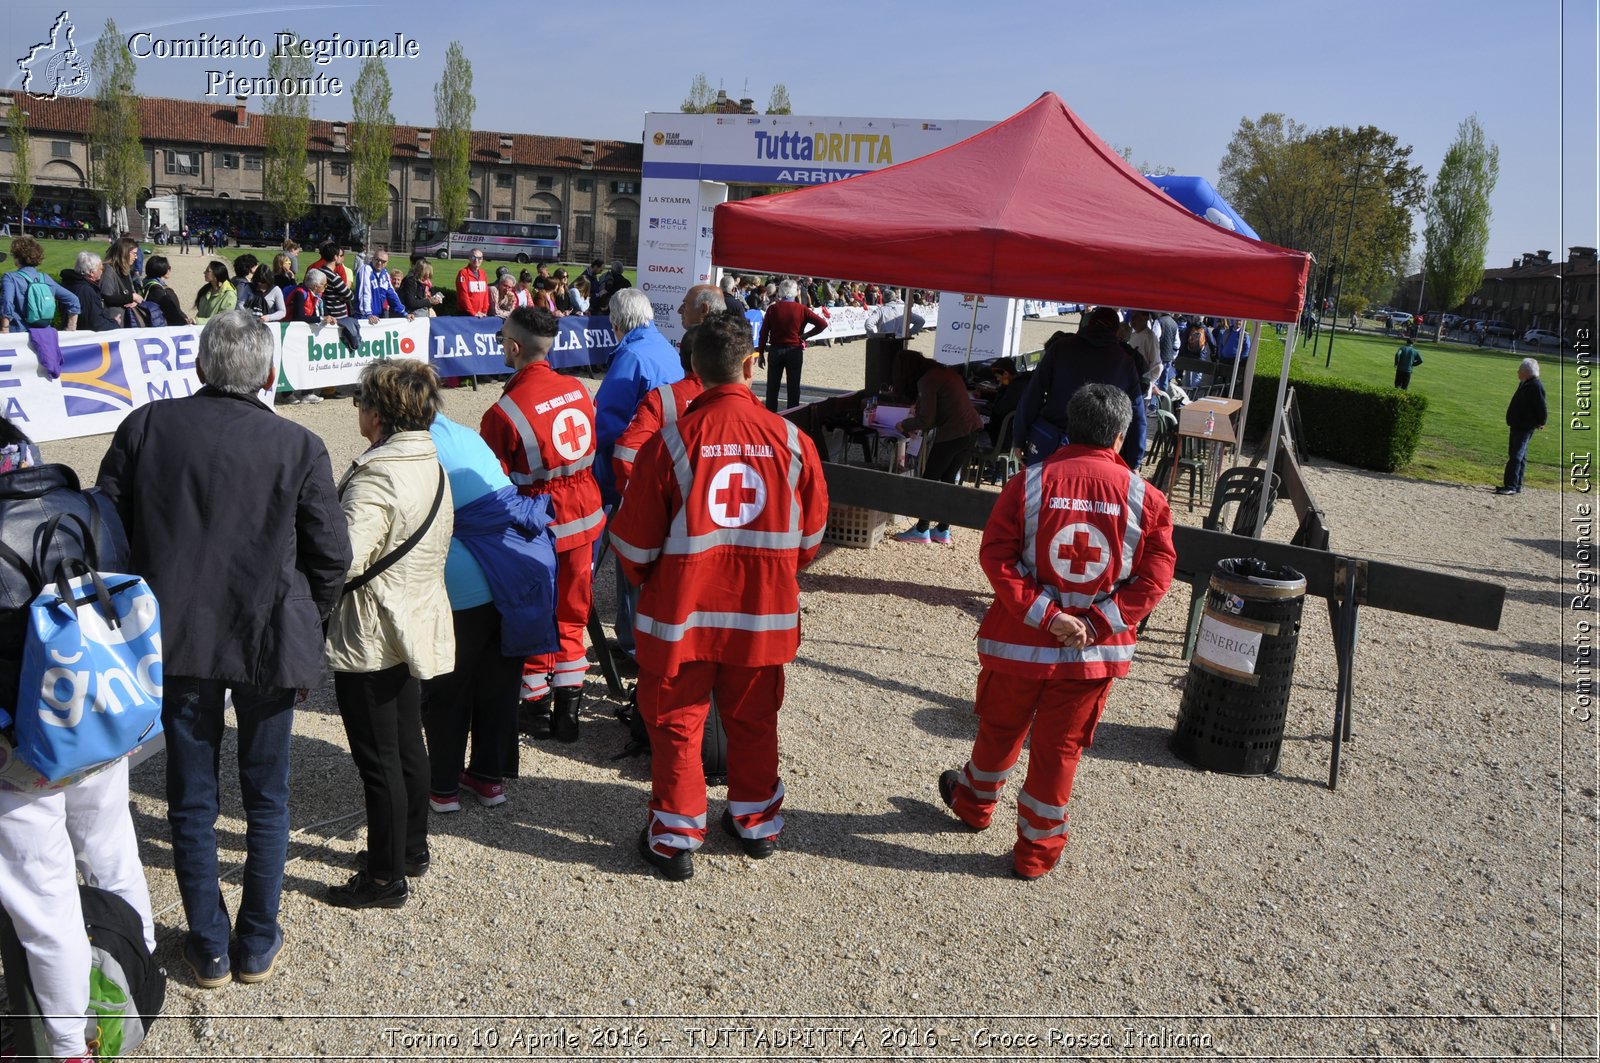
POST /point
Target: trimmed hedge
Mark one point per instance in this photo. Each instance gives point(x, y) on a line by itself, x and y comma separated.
point(1355, 423)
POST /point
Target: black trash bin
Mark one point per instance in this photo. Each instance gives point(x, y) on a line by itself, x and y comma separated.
point(1237, 695)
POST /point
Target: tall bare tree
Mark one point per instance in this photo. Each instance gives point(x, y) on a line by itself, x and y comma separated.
point(116, 156)
point(1457, 232)
point(22, 160)
point(371, 142)
point(452, 135)
point(288, 126)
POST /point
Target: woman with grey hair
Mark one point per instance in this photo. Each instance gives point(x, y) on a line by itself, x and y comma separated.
point(83, 282)
point(1526, 415)
point(393, 627)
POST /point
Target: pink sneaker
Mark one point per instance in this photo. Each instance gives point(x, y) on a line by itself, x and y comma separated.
point(488, 794)
point(444, 802)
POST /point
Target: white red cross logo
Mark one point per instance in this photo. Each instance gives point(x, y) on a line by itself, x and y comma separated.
point(572, 435)
point(1079, 553)
point(737, 496)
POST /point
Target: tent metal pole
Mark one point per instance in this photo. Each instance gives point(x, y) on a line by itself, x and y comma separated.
point(972, 330)
point(1277, 426)
point(1249, 379)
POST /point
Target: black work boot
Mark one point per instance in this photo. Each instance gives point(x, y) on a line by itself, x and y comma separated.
point(533, 717)
point(568, 701)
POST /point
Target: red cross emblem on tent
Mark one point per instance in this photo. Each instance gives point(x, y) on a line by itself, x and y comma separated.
point(737, 495)
point(1079, 553)
point(573, 435)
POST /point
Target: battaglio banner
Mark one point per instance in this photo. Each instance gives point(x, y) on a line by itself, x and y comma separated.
point(318, 356)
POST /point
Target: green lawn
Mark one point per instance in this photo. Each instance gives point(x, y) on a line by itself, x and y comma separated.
point(1464, 430)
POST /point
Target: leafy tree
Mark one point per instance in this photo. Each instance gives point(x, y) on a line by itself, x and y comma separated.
point(288, 127)
point(116, 156)
point(700, 98)
point(1457, 232)
point(371, 141)
point(452, 135)
point(778, 101)
point(22, 165)
point(1307, 189)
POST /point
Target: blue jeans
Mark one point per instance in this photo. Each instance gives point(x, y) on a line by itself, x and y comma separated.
point(1517, 456)
point(192, 716)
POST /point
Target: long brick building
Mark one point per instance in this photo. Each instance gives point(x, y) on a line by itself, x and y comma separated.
point(211, 155)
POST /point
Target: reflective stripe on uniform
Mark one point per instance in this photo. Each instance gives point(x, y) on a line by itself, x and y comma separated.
point(628, 454)
point(793, 440)
point(530, 442)
point(1113, 616)
point(666, 632)
point(1032, 501)
point(680, 468)
point(1034, 834)
point(633, 553)
point(1036, 611)
point(814, 539)
point(755, 808)
point(989, 776)
point(676, 822)
point(582, 524)
point(1012, 651)
point(761, 540)
point(1040, 809)
point(669, 404)
point(1135, 528)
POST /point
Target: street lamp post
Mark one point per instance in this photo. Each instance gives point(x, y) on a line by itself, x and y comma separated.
point(1344, 260)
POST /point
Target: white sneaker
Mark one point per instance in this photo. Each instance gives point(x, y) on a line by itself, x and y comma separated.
point(311, 399)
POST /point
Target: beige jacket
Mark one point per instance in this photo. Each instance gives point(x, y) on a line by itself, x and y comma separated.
point(403, 615)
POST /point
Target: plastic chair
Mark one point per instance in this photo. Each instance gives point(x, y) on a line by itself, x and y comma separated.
point(998, 459)
point(1163, 434)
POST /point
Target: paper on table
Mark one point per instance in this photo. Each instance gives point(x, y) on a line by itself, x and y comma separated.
point(889, 417)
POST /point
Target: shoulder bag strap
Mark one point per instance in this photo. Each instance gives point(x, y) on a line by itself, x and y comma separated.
point(387, 560)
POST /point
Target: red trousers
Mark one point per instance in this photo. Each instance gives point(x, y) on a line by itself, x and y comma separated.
point(674, 711)
point(574, 595)
point(1061, 715)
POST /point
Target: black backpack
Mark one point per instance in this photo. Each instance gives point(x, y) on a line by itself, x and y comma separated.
point(713, 743)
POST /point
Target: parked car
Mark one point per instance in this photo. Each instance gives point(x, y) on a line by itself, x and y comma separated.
point(1538, 337)
point(1498, 328)
point(1399, 318)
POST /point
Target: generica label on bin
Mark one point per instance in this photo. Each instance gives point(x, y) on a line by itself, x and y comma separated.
point(1227, 646)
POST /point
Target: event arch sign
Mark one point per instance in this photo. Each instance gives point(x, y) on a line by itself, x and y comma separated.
point(691, 159)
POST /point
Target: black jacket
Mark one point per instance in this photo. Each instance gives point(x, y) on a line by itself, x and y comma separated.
point(232, 518)
point(28, 498)
point(1527, 409)
point(94, 315)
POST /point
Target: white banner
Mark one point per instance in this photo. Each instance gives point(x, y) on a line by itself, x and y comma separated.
point(977, 328)
point(316, 357)
point(104, 377)
point(848, 322)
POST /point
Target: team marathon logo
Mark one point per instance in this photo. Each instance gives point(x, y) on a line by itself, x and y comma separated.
point(1079, 553)
point(572, 435)
point(737, 495)
point(53, 68)
point(93, 380)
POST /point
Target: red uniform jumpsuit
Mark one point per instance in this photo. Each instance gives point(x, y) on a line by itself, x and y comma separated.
point(472, 292)
point(542, 430)
point(723, 509)
point(661, 405)
point(1079, 533)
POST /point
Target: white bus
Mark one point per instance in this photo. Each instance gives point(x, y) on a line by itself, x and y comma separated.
point(516, 241)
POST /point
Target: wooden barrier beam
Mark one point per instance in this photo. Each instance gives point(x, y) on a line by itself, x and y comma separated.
point(909, 496)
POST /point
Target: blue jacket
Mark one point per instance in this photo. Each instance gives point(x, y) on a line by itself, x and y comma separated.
point(375, 294)
point(1231, 343)
point(642, 362)
point(14, 295)
point(509, 535)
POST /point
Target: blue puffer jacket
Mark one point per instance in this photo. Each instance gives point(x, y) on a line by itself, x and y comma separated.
point(642, 362)
point(509, 536)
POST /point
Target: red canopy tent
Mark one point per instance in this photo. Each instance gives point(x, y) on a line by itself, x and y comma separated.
point(1036, 207)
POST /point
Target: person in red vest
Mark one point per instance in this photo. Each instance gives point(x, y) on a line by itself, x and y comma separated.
point(1078, 551)
point(472, 288)
point(542, 430)
point(724, 508)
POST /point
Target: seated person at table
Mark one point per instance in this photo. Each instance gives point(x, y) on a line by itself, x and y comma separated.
point(1009, 397)
point(944, 406)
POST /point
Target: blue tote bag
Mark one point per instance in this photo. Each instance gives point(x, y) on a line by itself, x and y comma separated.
point(90, 686)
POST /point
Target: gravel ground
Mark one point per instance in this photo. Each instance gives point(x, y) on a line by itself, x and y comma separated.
point(1424, 908)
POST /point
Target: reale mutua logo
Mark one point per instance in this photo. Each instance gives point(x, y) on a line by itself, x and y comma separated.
point(53, 68)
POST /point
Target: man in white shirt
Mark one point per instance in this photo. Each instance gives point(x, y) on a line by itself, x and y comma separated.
point(1145, 340)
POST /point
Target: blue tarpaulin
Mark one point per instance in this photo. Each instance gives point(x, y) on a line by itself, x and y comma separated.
point(469, 346)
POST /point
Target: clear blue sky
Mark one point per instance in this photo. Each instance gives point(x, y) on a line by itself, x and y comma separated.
point(1154, 76)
